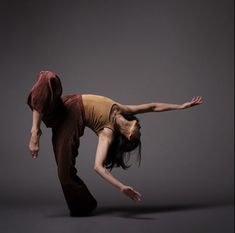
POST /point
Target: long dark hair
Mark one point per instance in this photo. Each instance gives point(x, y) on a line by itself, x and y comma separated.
point(121, 149)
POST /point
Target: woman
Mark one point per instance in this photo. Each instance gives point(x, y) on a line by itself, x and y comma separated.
point(115, 124)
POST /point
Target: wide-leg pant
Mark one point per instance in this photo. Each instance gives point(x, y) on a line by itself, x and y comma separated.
point(65, 115)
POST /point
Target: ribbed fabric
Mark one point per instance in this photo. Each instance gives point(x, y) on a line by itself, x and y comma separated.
point(97, 112)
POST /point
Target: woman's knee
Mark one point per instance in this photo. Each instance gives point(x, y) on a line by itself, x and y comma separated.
point(47, 73)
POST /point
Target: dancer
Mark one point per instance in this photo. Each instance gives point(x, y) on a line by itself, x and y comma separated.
point(115, 124)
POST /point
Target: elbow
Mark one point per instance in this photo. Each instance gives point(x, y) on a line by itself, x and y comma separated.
point(97, 168)
point(154, 107)
point(159, 107)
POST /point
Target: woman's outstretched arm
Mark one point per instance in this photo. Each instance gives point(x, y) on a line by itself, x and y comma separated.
point(105, 139)
point(35, 134)
point(159, 107)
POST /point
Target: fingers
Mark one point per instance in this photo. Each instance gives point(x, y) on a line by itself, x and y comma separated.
point(137, 193)
point(137, 196)
point(131, 193)
point(34, 154)
point(134, 195)
point(34, 145)
point(200, 100)
point(196, 100)
point(33, 151)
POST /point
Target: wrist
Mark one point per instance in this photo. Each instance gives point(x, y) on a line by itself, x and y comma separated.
point(121, 187)
point(36, 131)
point(181, 106)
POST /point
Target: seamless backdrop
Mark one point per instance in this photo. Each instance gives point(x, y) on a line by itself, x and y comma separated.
point(134, 52)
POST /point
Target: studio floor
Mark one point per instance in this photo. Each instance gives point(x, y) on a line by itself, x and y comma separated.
point(52, 217)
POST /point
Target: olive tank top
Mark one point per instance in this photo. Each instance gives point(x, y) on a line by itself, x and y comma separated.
point(97, 112)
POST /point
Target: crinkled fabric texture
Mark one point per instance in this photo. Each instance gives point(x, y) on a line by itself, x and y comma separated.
point(45, 97)
point(65, 115)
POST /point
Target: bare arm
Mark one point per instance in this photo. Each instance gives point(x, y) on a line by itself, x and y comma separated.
point(105, 139)
point(159, 107)
point(35, 134)
point(103, 144)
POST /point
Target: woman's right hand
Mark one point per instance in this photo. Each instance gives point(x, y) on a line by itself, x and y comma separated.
point(195, 101)
point(34, 143)
point(131, 193)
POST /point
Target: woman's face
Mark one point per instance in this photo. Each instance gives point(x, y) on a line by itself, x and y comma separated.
point(134, 131)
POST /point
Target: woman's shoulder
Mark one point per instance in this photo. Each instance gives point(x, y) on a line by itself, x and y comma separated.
point(107, 133)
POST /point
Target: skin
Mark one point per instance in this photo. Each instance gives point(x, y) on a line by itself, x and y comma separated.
point(130, 129)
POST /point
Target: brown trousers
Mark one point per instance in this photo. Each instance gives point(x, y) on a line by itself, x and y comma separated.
point(65, 115)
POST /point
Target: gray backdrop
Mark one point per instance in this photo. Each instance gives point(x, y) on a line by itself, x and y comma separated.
point(134, 52)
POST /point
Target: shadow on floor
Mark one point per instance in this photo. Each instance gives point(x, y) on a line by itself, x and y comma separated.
point(138, 212)
point(135, 212)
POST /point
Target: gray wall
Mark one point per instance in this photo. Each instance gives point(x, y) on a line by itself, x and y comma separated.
point(134, 52)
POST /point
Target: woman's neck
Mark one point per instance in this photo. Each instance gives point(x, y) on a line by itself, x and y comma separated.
point(122, 125)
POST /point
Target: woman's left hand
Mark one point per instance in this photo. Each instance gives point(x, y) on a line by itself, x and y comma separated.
point(130, 192)
point(195, 101)
point(34, 143)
